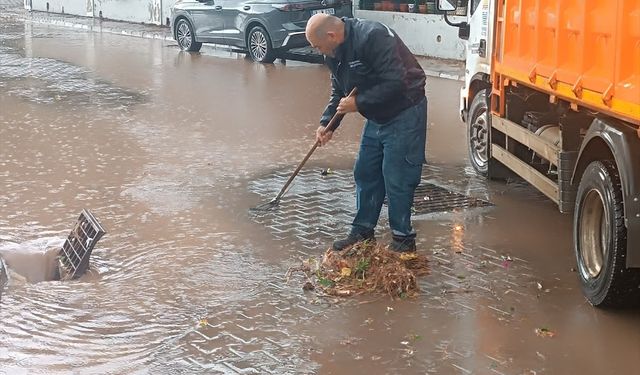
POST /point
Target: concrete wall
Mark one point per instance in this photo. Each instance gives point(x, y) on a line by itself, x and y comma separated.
point(424, 34)
point(147, 11)
point(76, 7)
point(166, 10)
point(144, 11)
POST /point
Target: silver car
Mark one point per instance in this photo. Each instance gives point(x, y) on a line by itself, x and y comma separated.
point(262, 28)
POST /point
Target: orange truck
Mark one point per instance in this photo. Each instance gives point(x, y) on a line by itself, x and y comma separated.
point(552, 94)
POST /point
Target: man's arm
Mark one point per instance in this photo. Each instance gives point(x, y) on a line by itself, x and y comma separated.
point(380, 54)
point(334, 100)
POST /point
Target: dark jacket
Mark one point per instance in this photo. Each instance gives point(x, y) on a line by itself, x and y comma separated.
point(376, 61)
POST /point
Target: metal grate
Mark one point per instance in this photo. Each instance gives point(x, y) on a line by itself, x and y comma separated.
point(431, 198)
point(73, 261)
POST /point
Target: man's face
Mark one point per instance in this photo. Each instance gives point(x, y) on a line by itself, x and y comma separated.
point(325, 44)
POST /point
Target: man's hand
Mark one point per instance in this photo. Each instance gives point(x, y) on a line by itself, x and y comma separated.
point(347, 105)
point(322, 136)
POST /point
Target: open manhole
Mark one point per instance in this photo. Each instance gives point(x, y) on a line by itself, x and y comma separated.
point(51, 258)
point(430, 198)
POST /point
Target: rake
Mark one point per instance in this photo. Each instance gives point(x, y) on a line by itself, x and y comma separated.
point(331, 126)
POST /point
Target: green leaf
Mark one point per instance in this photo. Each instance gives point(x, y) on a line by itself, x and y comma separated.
point(327, 283)
point(362, 265)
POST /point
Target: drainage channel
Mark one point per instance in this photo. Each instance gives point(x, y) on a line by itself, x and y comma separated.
point(430, 198)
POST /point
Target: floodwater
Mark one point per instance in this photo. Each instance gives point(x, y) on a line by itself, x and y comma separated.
point(164, 146)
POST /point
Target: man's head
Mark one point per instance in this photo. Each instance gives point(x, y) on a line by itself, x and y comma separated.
point(325, 33)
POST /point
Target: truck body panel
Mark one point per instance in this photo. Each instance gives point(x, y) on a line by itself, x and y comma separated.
point(583, 51)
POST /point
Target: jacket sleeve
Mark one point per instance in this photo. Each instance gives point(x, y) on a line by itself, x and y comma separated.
point(381, 56)
point(334, 100)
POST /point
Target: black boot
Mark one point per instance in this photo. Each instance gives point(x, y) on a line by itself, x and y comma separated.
point(403, 244)
point(352, 239)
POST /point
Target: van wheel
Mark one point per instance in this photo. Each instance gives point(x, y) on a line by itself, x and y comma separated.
point(600, 239)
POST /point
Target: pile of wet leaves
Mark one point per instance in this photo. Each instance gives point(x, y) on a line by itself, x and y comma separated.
point(365, 268)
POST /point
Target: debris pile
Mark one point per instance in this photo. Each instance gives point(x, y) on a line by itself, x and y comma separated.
point(365, 268)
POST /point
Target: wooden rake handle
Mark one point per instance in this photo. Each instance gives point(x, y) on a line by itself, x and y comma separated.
point(331, 126)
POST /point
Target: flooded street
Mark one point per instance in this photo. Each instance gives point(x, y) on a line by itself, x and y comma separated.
point(170, 150)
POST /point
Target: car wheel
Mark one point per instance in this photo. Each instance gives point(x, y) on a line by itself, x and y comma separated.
point(259, 46)
point(185, 36)
point(478, 127)
point(600, 239)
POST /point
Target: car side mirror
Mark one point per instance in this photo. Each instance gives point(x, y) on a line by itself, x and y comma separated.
point(446, 5)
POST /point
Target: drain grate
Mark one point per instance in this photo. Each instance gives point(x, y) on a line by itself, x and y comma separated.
point(74, 257)
point(430, 198)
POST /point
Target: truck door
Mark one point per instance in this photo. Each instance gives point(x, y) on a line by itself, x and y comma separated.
point(480, 36)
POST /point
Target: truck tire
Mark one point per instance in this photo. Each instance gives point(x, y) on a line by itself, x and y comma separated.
point(600, 239)
point(478, 128)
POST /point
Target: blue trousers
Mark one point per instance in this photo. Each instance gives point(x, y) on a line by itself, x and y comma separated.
point(390, 163)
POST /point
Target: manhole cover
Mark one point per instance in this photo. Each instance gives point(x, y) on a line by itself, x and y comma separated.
point(75, 253)
point(430, 198)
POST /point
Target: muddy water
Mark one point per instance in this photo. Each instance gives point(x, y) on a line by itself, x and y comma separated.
point(161, 146)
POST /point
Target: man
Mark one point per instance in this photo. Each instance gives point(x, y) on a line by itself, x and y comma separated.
point(390, 83)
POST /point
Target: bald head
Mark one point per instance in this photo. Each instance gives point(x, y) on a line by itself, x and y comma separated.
point(319, 24)
point(325, 33)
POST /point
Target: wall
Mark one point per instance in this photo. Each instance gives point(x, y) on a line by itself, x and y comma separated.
point(424, 34)
point(147, 11)
point(166, 10)
point(76, 7)
point(143, 11)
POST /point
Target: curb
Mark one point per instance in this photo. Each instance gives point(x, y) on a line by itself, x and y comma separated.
point(101, 29)
point(433, 73)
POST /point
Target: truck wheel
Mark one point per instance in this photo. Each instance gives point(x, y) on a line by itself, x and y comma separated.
point(600, 239)
point(478, 127)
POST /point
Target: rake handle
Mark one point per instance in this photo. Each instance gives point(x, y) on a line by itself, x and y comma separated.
point(331, 126)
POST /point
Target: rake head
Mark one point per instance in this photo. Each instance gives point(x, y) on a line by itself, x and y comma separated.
point(271, 205)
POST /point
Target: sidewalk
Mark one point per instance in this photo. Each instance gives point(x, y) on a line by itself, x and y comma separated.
point(448, 69)
point(433, 67)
